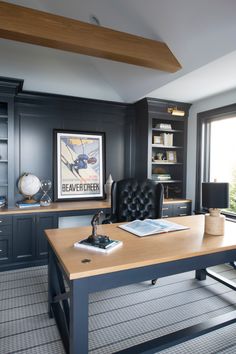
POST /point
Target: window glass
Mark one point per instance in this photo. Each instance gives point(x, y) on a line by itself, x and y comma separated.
point(222, 155)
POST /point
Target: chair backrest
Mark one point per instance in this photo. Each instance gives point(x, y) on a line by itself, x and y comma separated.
point(132, 199)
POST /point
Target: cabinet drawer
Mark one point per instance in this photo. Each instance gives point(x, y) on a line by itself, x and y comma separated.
point(182, 209)
point(4, 249)
point(167, 210)
point(5, 230)
point(5, 220)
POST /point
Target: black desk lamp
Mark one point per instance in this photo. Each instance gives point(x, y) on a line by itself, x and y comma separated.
point(215, 196)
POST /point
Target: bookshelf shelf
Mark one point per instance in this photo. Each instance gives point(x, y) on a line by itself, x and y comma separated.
point(168, 181)
point(166, 146)
point(168, 130)
point(166, 163)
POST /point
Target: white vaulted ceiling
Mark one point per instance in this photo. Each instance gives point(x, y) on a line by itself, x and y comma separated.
point(201, 34)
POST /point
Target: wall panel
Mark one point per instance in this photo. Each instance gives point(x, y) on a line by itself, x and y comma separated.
point(37, 115)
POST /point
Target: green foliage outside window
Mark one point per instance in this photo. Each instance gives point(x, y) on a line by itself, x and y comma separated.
point(232, 193)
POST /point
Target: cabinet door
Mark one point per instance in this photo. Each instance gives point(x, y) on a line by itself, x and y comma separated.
point(43, 222)
point(23, 237)
point(5, 249)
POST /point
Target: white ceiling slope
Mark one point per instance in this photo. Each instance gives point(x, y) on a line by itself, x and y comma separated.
point(201, 34)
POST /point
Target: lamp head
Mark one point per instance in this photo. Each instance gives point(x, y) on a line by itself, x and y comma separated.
point(215, 196)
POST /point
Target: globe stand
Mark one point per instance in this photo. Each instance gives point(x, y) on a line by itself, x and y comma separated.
point(29, 200)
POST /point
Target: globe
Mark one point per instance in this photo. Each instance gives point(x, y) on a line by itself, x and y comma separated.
point(29, 185)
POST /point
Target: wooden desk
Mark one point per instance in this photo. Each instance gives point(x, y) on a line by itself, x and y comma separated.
point(138, 259)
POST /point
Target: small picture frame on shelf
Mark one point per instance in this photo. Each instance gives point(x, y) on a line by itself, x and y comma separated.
point(171, 156)
point(158, 139)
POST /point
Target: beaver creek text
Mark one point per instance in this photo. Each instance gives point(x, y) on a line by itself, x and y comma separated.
point(80, 187)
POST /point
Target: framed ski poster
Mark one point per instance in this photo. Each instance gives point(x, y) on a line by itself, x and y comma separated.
point(79, 165)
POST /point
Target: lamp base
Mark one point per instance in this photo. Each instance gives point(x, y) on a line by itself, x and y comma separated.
point(215, 224)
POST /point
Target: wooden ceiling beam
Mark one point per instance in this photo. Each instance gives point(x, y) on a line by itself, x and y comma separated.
point(37, 27)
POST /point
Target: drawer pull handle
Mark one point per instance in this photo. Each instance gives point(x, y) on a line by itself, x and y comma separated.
point(0, 221)
point(1, 250)
point(165, 216)
point(0, 230)
point(182, 214)
point(183, 207)
point(165, 208)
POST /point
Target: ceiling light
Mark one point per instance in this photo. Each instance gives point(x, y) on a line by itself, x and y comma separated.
point(175, 111)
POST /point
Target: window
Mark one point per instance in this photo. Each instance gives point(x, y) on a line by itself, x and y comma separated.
point(216, 151)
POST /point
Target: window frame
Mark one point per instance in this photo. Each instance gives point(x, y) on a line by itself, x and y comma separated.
point(204, 119)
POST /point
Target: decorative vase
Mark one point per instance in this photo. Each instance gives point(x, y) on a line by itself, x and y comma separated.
point(107, 188)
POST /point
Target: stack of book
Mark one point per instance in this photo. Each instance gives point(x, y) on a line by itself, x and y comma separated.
point(161, 176)
point(27, 205)
point(2, 201)
point(163, 126)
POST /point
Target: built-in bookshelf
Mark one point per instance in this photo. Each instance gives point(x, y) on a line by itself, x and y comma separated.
point(163, 145)
point(6, 149)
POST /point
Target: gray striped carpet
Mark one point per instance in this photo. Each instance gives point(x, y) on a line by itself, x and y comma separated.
point(120, 317)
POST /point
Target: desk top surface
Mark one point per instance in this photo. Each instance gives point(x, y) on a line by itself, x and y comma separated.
point(137, 251)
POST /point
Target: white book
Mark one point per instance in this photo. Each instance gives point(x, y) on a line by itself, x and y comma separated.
point(151, 226)
point(114, 244)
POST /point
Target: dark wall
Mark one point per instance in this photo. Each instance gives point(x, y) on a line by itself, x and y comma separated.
point(36, 115)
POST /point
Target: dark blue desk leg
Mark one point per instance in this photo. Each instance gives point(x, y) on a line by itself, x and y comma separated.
point(200, 274)
point(51, 272)
point(79, 298)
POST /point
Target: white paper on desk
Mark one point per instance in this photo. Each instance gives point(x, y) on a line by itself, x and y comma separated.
point(151, 226)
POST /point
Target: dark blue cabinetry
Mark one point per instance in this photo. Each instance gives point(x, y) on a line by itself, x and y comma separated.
point(5, 239)
point(23, 238)
point(22, 241)
point(43, 222)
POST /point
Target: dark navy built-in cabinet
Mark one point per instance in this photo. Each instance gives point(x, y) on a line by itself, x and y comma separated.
point(22, 240)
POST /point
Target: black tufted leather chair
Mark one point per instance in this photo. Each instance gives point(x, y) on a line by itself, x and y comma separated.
point(132, 199)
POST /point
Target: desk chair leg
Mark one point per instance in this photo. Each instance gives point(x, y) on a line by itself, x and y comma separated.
point(154, 281)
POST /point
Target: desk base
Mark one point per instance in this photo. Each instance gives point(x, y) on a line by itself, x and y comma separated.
point(72, 320)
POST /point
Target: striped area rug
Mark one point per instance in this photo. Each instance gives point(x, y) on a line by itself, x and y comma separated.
point(120, 317)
